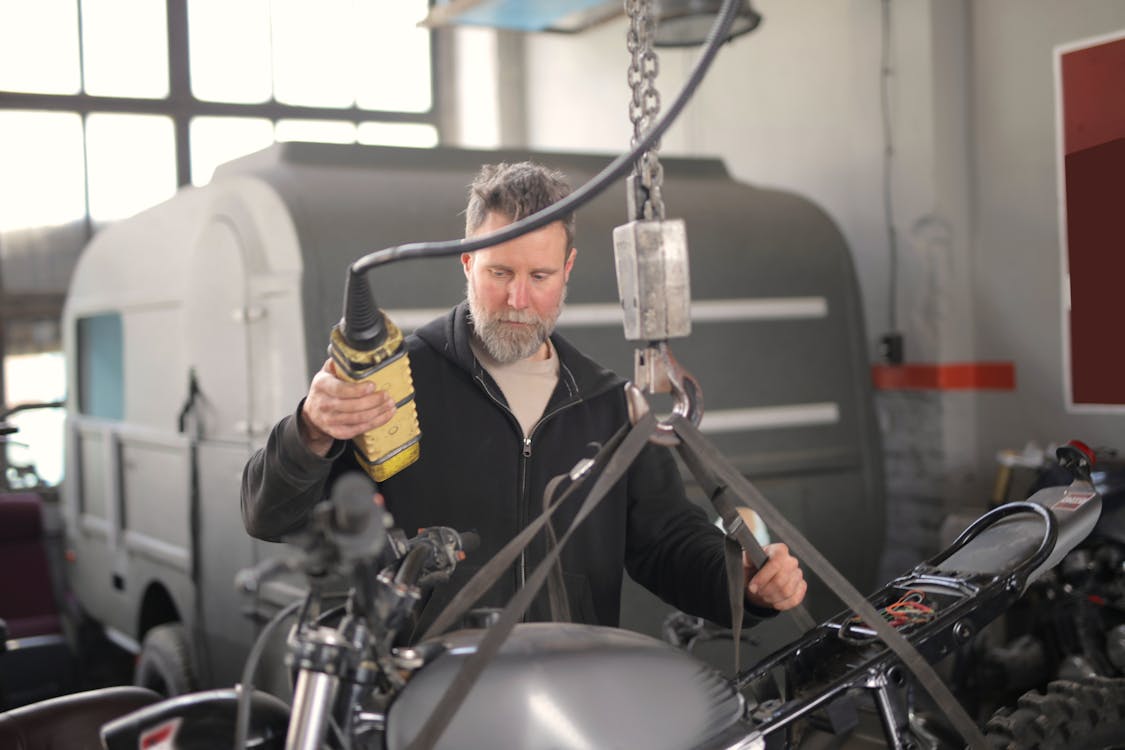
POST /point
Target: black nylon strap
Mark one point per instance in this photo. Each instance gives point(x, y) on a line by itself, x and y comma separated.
point(727, 510)
point(615, 468)
point(690, 435)
point(556, 584)
point(720, 496)
point(732, 552)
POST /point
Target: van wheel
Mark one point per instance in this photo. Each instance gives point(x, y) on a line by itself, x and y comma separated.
point(1071, 716)
point(165, 663)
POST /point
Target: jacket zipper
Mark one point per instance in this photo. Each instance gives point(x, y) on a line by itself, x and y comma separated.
point(523, 501)
point(525, 470)
point(521, 569)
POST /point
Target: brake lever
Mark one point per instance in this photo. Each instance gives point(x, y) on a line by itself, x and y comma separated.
point(447, 548)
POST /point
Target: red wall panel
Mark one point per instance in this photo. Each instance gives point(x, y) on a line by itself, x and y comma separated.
point(1093, 116)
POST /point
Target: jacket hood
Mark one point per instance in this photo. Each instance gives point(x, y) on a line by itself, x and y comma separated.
point(450, 334)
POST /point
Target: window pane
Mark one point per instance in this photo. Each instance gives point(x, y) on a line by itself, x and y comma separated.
point(319, 131)
point(42, 181)
point(229, 48)
point(132, 163)
point(125, 48)
point(393, 56)
point(30, 379)
point(418, 135)
point(101, 373)
point(313, 52)
point(39, 46)
point(215, 140)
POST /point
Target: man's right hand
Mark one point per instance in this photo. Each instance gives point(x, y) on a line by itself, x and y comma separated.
point(336, 409)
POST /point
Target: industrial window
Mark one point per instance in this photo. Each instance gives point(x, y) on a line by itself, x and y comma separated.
point(321, 131)
point(39, 47)
point(397, 134)
point(121, 187)
point(124, 48)
point(156, 86)
point(101, 375)
point(33, 455)
point(230, 51)
point(215, 140)
point(42, 181)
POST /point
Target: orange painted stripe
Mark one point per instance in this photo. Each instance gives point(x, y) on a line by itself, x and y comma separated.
point(952, 376)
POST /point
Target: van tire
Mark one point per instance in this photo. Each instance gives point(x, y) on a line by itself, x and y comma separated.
point(1073, 715)
point(165, 664)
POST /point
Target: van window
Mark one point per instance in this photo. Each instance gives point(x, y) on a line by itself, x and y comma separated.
point(101, 373)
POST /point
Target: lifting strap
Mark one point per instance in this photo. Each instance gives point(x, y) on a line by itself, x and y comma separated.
point(556, 584)
point(720, 494)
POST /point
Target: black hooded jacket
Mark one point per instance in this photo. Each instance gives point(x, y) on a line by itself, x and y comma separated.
point(478, 473)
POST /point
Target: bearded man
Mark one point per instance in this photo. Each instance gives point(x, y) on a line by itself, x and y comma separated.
point(505, 404)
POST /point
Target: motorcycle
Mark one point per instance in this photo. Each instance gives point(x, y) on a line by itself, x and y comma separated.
point(559, 685)
point(573, 686)
point(1068, 630)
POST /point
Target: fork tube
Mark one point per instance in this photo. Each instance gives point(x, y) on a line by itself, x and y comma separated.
point(313, 699)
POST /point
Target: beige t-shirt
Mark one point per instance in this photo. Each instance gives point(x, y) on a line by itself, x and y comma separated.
point(526, 384)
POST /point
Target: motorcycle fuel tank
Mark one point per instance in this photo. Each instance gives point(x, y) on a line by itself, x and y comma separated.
point(572, 687)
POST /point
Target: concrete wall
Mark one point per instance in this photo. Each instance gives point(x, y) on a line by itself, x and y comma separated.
point(797, 105)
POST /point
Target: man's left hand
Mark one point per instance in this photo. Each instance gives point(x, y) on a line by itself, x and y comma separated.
point(779, 584)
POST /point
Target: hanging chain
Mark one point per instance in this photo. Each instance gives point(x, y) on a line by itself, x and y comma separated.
point(644, 107)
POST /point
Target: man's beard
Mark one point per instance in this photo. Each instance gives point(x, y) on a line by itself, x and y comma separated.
point(508, 343)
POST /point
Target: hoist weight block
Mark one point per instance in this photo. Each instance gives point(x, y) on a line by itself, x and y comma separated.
point(653, 280)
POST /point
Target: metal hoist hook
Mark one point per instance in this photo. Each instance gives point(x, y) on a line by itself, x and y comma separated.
point(658, 371)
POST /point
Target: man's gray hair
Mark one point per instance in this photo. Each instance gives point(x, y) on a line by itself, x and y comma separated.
point(516, 191)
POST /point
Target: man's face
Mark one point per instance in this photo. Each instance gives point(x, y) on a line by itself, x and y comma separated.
point(516, 289)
